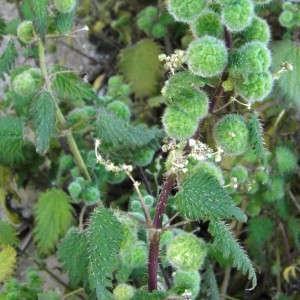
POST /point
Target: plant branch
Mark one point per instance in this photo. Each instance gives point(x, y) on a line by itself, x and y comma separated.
point(155, 232)
point(61, 119)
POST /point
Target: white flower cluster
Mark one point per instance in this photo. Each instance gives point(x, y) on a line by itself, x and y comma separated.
point(173, 62)
point(201, 151)
point(109, 166)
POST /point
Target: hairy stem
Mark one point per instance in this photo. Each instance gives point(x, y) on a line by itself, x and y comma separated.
point(60, 117)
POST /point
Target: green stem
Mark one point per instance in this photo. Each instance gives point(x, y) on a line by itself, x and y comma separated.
point(60, 117)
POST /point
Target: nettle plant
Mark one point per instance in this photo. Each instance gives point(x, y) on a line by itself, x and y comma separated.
point(154, 249)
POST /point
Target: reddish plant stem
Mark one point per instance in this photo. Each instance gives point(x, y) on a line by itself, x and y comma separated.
point(155, 230)
point(155, 233)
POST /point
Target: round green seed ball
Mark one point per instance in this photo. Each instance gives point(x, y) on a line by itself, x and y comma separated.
point(178, 124)
point(143, 157)
point(187, 281)
point(231, 133)
point(75, 190)
point(238, 14)
point(91, 195)
point(136, 256)
point(256, 87)
point(185, 11)
point(25, 32)
point(186, 252)
point(24, 84)
point(207, 56)
point(120, 109)
point(123, 291)
point(286, 19)
point(208, 23)
point(286, 160)
point(240, 173)
point(64, 6)
point(254, 57)
point(275, 189)
point(259, 30)
point(158, 30)
point(115, 178)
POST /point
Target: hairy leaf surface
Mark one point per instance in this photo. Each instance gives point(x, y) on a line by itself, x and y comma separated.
point(288, 84)
point(11, 139)
point(64, 22)
point(141, 67)
point(202, 197)
point(225, 243)
point(8, 234)
point(53, 215)
point(8, 260)
point(68, 85)
point(210, 282)
point(104, 240)
point(256, 137)
point(43, 113)
point(121, 135)
point(7, 59)
point(40, 19)
point(72, 252)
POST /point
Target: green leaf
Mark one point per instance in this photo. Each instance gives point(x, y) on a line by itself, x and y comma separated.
point(7, 59)
point(294, 228)
point(210, 282)
point(11, 140)
point(64, 22)
point(202, 197)
point(256, 138)
point(260, 230)
point(71, 87)
point(288, 84)
point(53, 215)
point(119, 134)
point(43, 114)
point(141, 67)
point(104, 240)
point(224, 242)
point(8, 261)
point(2, 27)
point(72, 253)
point(8, 234)
point(40, 17)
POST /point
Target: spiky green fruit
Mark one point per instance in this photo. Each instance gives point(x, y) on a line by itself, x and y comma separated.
point(208, 23)
point(178, 124)
point(262, 2)
point(240, 173)
point(238, 14)
point(275, 189)
point(25, 32)
point(232, 134)
point(286, 160)
point(259, 30)
point(120, 109)
point(136, 256)
point(254, 57)
point(115, 178)
point(187, 281)
point(253, 209)
point(158, 30)
point(256, 87)
point(206, 167)
point(207, 56)
point(91, 195)
point(80, 116)
point(143, 157)
point(75, 190)
point(123, 291)
point(185, 11)
point(186, 252)
point(24, 84)
point(64, 6)
point(286, 19)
